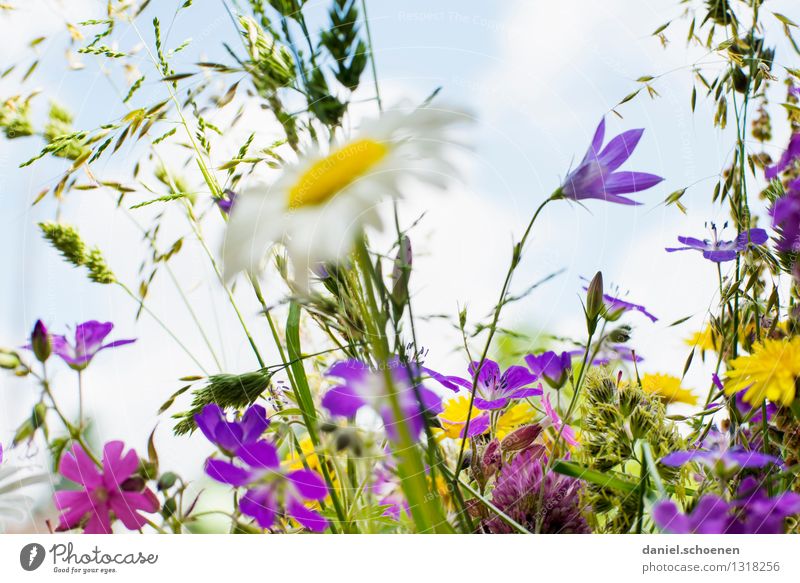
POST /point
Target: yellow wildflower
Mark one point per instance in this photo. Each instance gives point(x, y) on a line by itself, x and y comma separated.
point(668, 388)
point(770, 372)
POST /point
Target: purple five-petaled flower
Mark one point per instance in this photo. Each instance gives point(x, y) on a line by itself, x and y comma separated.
point(89, 338)
point(269, 489)
point(361, 386)
point(494, 390)
point(597, 175)
point(103, 493)
point(553, 367)
point(230, 436)
point(752, 512)
point(720, 251)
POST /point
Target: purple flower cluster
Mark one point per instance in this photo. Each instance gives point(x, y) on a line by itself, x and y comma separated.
point(361, 386)
point(256, 466)
point(753, 511)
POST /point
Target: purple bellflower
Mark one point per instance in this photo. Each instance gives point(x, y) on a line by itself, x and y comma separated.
point(720, 251)
point(597, 175)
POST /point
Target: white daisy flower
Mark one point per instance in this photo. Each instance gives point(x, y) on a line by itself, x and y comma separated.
point(319, 206)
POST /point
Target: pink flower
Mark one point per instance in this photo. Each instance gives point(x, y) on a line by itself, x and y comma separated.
point(105, 495)
point(567, 434)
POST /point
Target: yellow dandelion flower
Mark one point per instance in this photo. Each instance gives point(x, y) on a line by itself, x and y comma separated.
point(770, 372)
point(668, 388)
point(704, 340)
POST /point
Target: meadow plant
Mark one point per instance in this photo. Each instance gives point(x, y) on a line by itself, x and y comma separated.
point(340, 426)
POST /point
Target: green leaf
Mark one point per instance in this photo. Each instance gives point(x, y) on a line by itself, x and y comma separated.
point(581, 472)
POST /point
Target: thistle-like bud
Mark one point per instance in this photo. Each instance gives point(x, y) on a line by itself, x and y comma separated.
point(41, 342)
point(594, 302)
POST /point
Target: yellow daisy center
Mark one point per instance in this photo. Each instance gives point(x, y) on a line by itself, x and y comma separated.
point(331, 174)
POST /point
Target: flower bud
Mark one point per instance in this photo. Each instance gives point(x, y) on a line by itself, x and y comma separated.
point(521, 438)
point(9, 360)
point(594, 301)
point(41, 342)
point(167, 480)
point(620, 335)
point(38, 415)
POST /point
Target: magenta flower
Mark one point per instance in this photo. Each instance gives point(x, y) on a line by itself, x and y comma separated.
point(89, 338)
point(720, 251)
point(493, 389)
point(567, 433)
point(269, 489)
point(554, 368)
point(752, 512)
point(232, 435)
point(363, 387)
point(597, 176)
point(105, 495)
